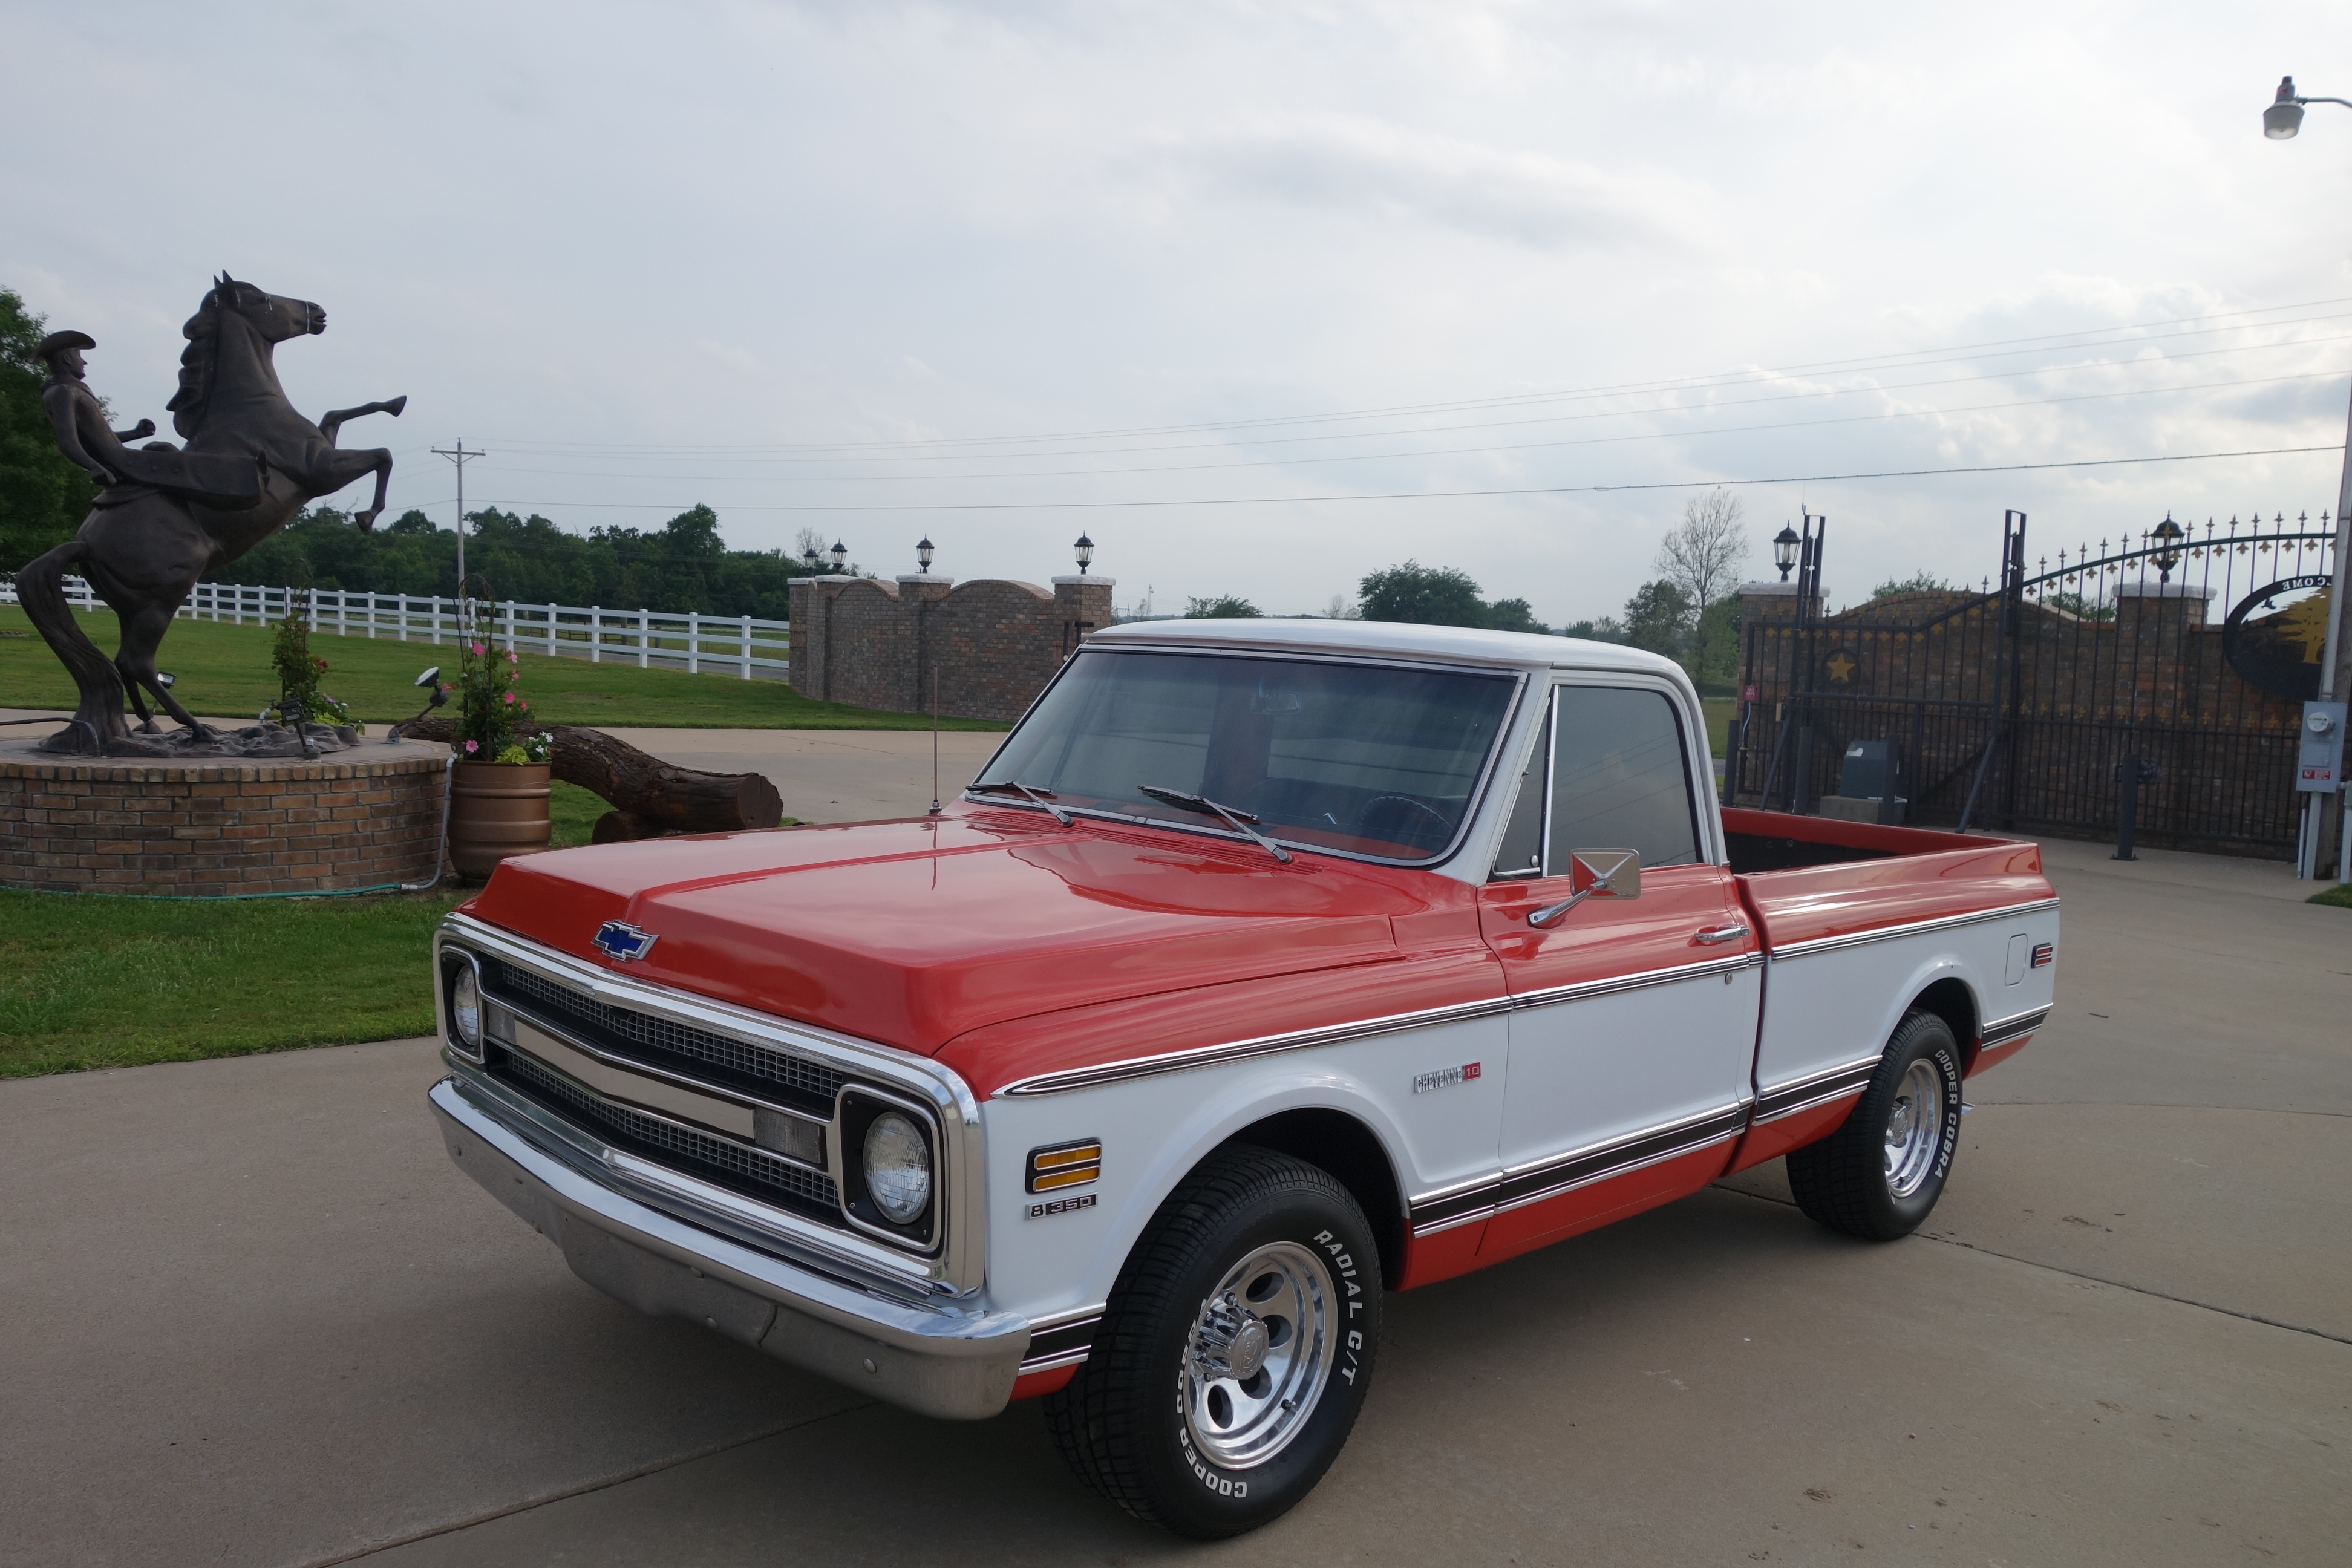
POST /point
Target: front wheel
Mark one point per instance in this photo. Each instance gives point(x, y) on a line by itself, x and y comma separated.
point(1879, 1174)
point(1236, 1351)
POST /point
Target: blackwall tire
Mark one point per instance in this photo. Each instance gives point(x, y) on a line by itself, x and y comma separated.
point(1257, 1264)
point(1879, 1174)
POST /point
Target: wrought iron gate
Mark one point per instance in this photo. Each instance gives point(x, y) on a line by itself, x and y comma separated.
point(2015, 706)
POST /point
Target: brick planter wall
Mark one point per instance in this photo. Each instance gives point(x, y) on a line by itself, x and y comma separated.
point(200, 827)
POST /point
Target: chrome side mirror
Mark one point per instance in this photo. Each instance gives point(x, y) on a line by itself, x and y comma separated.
point(1611, 873)
point(1616, 873)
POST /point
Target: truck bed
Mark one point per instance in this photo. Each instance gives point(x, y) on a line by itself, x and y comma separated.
point(1809, 877)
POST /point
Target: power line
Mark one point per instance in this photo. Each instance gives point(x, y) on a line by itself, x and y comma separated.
point(2110, 336)
point(1439, 495)
point(1460, 451)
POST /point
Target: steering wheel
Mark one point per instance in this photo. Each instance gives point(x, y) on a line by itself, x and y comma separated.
point(1445, 827)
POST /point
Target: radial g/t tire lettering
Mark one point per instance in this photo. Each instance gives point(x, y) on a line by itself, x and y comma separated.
point(1879, 1174)
point(1235, 1351)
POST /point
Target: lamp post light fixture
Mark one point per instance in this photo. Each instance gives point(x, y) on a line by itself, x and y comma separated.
point(2168, 537)
point(808, 559)
point(2284, 118)
point(2281, 121)
point(1784, 551)
point(923, 554)
point(1086, 554)
point(840, 557)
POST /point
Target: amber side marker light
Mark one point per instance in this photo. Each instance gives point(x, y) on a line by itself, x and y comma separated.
point(1064, 1165)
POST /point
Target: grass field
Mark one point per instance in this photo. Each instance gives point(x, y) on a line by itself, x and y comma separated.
point(224, 671)
point(2339, 895)
point(1719, 711)
point(90, 982)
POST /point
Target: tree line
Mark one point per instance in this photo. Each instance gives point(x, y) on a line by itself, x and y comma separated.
point(682, 565)
point(1688, 612)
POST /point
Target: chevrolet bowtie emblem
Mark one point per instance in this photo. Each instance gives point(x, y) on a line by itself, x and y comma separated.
point(621, 942)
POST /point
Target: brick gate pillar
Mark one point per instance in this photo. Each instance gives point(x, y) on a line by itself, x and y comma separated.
point(1082, 605)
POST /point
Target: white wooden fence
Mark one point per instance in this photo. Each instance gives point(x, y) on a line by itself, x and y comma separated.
point(742, 645)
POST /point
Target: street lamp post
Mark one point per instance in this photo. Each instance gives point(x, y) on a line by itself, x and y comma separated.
point(1784, 550)
point(2281, 121)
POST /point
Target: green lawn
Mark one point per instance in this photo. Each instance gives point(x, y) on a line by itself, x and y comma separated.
point(2339, 895)
point(224, 671)
point(94, 982)
point(1719, 711)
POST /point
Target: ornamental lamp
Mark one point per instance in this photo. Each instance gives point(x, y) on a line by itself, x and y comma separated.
point(1086, 554)
point(1784, 550)
point(2168, 537)
point(808, 559)
point(923, 554)
point(2284, 118)
point(840, 557)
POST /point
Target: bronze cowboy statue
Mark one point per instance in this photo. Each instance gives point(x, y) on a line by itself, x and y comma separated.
point(167, 515)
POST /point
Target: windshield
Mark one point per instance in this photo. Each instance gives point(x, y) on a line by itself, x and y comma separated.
point(1367, 759)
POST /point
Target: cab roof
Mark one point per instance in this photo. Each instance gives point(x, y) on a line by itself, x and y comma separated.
point(1444, 645)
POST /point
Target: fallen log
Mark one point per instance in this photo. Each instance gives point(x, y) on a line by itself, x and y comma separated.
point(650, 796)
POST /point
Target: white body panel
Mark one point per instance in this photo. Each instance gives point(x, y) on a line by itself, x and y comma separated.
point(1155, 1130)
point(1832, 1004)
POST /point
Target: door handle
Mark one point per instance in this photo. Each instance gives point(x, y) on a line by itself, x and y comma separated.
point(1720, 935)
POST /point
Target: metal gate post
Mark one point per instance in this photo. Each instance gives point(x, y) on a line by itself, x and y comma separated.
point(2130, 774)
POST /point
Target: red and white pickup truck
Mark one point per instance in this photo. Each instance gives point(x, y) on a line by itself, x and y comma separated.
point(1268, 968)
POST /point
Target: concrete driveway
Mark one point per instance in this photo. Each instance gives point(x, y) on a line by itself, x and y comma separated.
point(254, 1316)
point(833, 775)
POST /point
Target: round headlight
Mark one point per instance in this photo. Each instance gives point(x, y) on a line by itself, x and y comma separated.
point(897, 1168)
point(465, 1007)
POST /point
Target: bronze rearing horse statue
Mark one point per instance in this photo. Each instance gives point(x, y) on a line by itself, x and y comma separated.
point(147, 541)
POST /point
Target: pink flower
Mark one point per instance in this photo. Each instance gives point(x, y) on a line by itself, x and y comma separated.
point(507, 695)
point(473, 745)
point(510, 657)
point(478, 650)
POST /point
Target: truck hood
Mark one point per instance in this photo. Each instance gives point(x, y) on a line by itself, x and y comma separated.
point(913, 932)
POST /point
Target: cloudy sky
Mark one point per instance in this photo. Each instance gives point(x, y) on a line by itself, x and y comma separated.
point(1260, 297)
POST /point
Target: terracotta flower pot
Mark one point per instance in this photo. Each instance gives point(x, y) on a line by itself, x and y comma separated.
point(497, 809)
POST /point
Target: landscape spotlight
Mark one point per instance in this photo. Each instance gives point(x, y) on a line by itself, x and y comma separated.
point(1784, 550)
point(840, 557)
point(923, 554)
point(1086, 554)
point(2168, 537)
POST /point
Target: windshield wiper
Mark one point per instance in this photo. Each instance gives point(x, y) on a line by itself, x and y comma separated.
point(1238, 820)
point(1044, 797)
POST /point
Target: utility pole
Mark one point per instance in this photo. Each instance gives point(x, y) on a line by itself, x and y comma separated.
point(460, 457)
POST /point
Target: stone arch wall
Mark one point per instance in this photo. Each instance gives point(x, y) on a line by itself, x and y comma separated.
point(993, 642)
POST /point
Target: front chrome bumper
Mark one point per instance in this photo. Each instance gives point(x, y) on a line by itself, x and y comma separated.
point(938, 1359)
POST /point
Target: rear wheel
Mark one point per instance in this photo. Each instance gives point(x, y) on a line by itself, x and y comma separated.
point(1879, 1174)
point(1235, 1351)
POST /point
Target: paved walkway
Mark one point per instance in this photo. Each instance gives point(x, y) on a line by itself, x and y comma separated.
point(256, 1317)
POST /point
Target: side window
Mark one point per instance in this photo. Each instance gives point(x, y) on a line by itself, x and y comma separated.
point(1619, 779)
point(1521, 852)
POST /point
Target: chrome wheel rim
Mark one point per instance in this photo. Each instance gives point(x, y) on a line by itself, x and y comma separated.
point(1258, 1356)
point(1915, 1127)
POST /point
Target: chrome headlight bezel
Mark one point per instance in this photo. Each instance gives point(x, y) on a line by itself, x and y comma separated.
point(459, 967)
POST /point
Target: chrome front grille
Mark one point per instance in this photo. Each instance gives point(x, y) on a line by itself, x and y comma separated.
point(748, 1170)
point(661, 1042)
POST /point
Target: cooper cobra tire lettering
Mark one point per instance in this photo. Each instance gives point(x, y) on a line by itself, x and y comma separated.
point(1130, 1435)
point(1842, 1181)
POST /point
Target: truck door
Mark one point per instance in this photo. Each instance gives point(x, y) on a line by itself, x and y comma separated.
point(1633, 1030)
